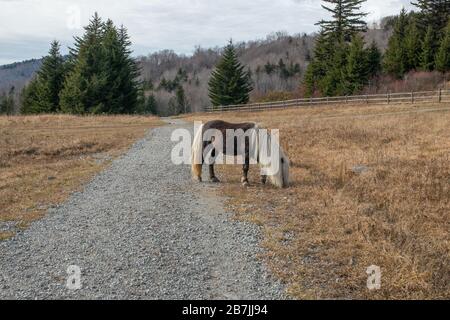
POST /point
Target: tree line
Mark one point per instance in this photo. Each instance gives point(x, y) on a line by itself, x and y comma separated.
point(8, 103)
point(420, 40)
point(98, 77)
point(343, 64)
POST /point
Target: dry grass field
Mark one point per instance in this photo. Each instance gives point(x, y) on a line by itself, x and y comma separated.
point(323, 232)
point(45, 158)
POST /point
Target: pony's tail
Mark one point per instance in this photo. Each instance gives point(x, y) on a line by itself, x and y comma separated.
point(197, 154)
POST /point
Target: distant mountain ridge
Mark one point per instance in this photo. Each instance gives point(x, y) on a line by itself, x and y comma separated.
point(18, 74)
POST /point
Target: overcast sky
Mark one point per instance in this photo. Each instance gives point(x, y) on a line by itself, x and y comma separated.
point(28, 26)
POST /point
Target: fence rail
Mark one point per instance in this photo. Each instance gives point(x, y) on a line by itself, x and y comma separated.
point(436, 96)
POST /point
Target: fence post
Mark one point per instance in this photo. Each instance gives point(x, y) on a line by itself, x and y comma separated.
point(412, 96)
point(367, 99)
point(440, 95)
point(389, 97)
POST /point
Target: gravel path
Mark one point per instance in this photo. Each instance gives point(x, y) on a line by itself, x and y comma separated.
point(139, 230)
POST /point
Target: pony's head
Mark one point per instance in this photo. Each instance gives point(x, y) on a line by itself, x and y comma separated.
point(277, 174)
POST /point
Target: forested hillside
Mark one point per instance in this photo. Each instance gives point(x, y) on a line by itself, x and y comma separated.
point(17, 74)
point(277, 65)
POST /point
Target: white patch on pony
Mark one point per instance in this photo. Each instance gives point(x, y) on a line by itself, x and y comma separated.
point(279, 178)
point(197, 153)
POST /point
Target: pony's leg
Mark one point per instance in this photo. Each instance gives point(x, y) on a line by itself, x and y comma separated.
point(263, 179)
point(245, 170)
point(212, 174)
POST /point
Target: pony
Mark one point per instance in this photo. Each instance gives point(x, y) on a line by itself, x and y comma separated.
point(208, 142)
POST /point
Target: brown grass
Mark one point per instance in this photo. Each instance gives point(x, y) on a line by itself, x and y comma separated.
point(323, 232)
point(45, 158)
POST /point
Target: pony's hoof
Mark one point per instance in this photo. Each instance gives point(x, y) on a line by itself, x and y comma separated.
point(215, 180)
point(245, 184)
point(197, 179)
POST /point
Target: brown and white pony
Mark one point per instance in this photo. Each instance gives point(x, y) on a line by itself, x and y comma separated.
point(280, 178)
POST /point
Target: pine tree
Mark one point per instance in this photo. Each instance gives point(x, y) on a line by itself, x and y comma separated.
point(434, 14)
point(427, 55)
point(112, 62)
point(412, 45)
point(42, 94)
point(432, 20)
point(32, 101)
point(52, 75)
point(334, 81)
point(150, 105)
point(103, 74)
point(130, 72)
point(443, 55)
point(356, 71)
point(317, 69)
point(374, 59)
point(327, 73)
point(87, 82)
point(181, 103)
point(347, 19)
point(395, 58)
point(122, 71)
point(7, 102)
point(229, 84)
point(2, 103)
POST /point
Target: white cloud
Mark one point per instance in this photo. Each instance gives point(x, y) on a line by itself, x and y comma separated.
point(27, 26)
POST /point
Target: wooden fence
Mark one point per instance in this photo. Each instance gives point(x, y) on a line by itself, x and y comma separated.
point(436, 96)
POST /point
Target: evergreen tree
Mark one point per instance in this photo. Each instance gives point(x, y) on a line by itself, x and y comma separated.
point(334, 81)
point(229, 84)
point(7, 102)
point(318, 67)
point(347, 19)
point(87, 82)
point(130, 72)
point(356, 71)
point(112, 61)
point(32, 101)
point(396, 58)
point(374, 59)
point(150, 105)
point(434, 14)
point(180, 104)
point(432, 20)
point(427, 55)
point(122, 94)
point(3, 103)
point(42, 94)
point(328, 71)
point(103, 74)
point(443, 55)
point(412, 44)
